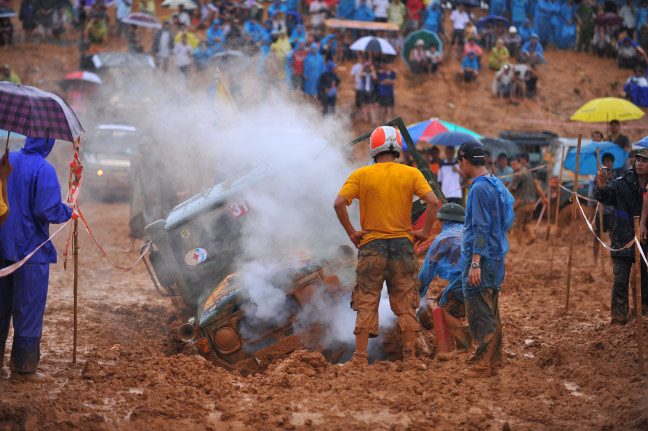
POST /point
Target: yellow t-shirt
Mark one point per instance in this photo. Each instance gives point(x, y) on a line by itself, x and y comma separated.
point(385, 192)
point(3, 206)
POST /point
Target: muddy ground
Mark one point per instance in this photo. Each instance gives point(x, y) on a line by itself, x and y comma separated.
point(561, 371)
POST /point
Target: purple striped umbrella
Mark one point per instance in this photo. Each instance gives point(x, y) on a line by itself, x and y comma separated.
point(36, 113)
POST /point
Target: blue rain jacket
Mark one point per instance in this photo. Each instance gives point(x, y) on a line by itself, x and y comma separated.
point(641, 16)
point(254, 29)
point(489, 216)
point(497, 7)
point(444, 260)
point(526, 49)
point(34, 202)
point(313, 68)
point(274, 8)
point(298, 35)
point(345, 9)
point(568, 31)
point(215, 46)
point(470, 63)
point(363, 13)
point(291, 5)
point(555, 21)
point(432, 18)
point(542, 20)
point(525, 32)
point(518, 12)
point(326, 39)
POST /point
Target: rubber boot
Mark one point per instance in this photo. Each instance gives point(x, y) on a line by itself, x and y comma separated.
point(409, 346)
point(360, 358)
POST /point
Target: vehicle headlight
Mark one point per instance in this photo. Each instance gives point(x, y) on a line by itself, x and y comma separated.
point(100, 172)
point(226, 340)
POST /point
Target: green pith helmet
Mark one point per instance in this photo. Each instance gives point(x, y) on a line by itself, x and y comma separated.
point(451, 211)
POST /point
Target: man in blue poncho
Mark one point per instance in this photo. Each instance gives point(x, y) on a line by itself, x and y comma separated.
point(542, 20)
point(254, 29)
point(298, 35)
point(215, 38)
point(489, 216)
point(518, 12)
point(345, 9)
point(313, 68)
point(532, 52)
point(276, 7)
point(497, 8)
point(35, 202)
point(444, 259)
point(433, 18)
point(363, 12)
point(470, 67)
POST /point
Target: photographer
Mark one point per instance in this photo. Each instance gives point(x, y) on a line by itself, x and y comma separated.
point(625, 194)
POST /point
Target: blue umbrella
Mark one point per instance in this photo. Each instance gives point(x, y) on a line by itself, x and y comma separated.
point(452, 139)
point(643, 142)
point(494, 19)
point(587, 164)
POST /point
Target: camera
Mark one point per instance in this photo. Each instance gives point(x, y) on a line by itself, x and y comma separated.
point(605, 169)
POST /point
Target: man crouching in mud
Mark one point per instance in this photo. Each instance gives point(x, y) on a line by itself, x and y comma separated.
point(489, 216)
point(385, 190)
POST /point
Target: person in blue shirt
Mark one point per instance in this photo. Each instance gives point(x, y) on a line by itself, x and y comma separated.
point(518, 12)
point(386, 81)
point(201, 56)
point(433, 18)
point(35, 202)
point(215, 38)
point(254, 29)
point(532, 52)
point(443, 259)
point(276, 7)
point(313, 68)
point(298, 35)
point(470, 67)
point(489, 216)
point(363, 12)
point(346, 9)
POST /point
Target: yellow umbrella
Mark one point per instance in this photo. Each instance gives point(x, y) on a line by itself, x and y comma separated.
point(606, 109)
point(191, 39)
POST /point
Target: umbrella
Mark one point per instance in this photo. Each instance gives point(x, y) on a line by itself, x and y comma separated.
point(373, 44)
point(495, 19)
point(452, 139)
point(469, 3)
point(608, 18)
point(607, 109)
point(6, 12)
point(175, 4)
point(131, 60)
point(643, 142)
point(429, 37)
point(142, 20)
point(426, 130)
point(82, 75)
point(587, 164)
point(36, 113)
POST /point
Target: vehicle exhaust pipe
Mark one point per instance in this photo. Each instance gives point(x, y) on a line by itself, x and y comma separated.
point(187, 331)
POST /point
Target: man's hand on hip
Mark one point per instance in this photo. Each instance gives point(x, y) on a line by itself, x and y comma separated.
point(356, 237)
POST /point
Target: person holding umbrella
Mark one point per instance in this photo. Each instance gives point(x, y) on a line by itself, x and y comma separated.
point(35, 201)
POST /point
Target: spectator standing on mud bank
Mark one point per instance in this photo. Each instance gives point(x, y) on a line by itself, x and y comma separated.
point(385, 190)
point(35, 201)
point(625, 194)
point(524, 188)
point(183, 52)
point(449, 177)
point(489, 215)
point(617, 137)
point(162, 46)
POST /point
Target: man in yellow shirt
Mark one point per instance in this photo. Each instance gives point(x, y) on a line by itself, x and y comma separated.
point(385, 191)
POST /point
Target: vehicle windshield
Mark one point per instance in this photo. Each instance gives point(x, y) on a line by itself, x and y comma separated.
point(114, 142)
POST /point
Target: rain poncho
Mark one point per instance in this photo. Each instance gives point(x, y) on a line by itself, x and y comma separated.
point(497, 7)
point(313, 68)
point(489, 216)
point(555, 21)
point(35, 202)
point(470, 62)
point(525, 31)
point(214, 32)
point(518, 12)
point(432, 18)
point(568, 31)
point(527, 48)
point(298, 35)
point(542, 20)
point(291, 5)
point(363, 13)
point(345, 9)
point(254, 29)
point(443, 260)
point(274, 8)
point(641, 16)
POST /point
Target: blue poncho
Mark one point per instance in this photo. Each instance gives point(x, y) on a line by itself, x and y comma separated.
point(489, 216)
point(567, 37)
point(443, 259)
point(497, 7)
point(470, 62)
point(528, 49)
point(254, 29)
point(213, 33)
point(34, 203)
point(363, 13)
point(432, 18)
point(542, 20)
point(345, 9)
point(525, 31)
point(298, 35)
point(313, 68)
point(518, 12)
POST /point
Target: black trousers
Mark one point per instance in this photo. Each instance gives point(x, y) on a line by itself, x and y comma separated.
point(621, 267)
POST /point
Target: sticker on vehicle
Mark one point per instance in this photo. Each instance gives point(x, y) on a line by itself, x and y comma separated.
point(195, 256)
point(185, 233)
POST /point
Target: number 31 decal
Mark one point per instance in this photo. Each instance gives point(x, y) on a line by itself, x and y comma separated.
point(238, 209)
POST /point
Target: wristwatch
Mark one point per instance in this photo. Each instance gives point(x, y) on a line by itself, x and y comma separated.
point(475, 265)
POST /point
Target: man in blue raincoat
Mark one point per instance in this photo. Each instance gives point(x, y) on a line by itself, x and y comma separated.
point(35, 202)
point(313, 68)
point(518, 12)
point(345, 9)
point(542, 20)
point(363, 12)
point(215, 38)
point(433, 18)
point(254, 29)
point(497, 8)
point(489, 216)
point(444, 259)
point(532, 52)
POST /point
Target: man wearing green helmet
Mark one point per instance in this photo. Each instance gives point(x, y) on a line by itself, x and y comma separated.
point(444, 260)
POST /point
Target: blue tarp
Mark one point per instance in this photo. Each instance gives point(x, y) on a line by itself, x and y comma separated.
point(443, 259)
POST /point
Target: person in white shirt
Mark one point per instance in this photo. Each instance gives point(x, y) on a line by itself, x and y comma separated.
point(627, 12)
point(182, 52)
point(380, 8)
point(459, 18)
point(183, 16)
point(317, 10)
point(357, 71)
point(450, 177)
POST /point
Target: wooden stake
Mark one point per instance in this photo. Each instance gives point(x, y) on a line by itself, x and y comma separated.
point(638, 313)
point(573, 224)
point(75, 247)
point(549, 171)
point(600, 206)
point(553, 245)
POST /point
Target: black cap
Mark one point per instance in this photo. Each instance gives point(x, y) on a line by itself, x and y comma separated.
point(471, 150)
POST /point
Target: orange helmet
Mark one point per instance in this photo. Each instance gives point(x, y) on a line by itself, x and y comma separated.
point(385, 138)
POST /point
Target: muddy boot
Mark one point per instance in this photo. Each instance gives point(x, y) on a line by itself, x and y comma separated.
point(18, 377)
point(409, 346)
point(478, 370)
point(360, 357)
point(464, 339)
